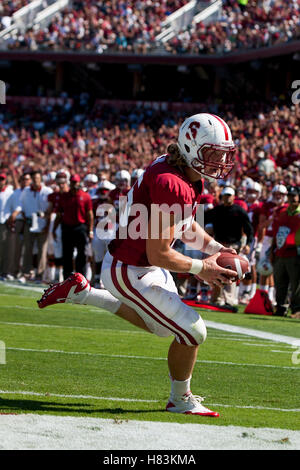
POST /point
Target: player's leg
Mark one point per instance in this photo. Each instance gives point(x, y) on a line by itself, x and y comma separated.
point(282, 280)
point(153, 294)
point(67, 250)
point(77, 290)
point(80, 244)
point(181, 360)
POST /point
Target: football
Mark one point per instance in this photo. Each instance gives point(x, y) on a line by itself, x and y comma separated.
point(237, 263)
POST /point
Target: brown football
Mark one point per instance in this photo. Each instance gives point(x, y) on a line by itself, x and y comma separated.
point(237, 263)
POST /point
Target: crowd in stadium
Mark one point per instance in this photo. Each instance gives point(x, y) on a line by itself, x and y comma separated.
point(96, 149)
point(97, 26)
point(132, 26)
point(84, 139)
point(260, 24)
point(7, 9)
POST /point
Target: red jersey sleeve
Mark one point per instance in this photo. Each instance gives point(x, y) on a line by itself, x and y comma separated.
point(169, 189)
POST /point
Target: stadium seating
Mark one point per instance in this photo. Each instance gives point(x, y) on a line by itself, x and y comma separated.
point(133, 27)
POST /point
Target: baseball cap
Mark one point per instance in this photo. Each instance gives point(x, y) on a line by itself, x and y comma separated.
point(91, 177)
point(279, 188)
point(228, 191)
point(294, 190)
point(75, 178)
point(3, 176)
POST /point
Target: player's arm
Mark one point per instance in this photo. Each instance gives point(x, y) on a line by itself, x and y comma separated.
point(90, 223)
point(262, 225)
point(198, 239)
point(160, 253)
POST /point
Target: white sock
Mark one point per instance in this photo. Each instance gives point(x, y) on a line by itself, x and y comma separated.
point(180, 387)
point(265, 288)
point(253, 290)
point(88, 273)
point(101, 298)
point(272, 294)
point(242, 288)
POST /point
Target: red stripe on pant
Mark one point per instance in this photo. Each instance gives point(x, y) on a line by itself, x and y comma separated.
point(124, 270)
point(124, 294)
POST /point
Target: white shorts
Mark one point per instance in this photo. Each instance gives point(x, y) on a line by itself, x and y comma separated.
point(251, 256)
point(99, 248)
point(152, 293)
point(266, 244)
point(55, 246)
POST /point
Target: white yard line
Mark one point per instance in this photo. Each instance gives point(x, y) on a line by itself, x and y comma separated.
point(44, 432)
point(43, 325)
point(211, 324)
point(30, 288)
point(252, 332)
point(124, 356)
point(120, 399)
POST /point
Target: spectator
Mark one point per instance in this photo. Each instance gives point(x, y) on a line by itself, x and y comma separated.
point(267, 213)
point(266, 165)
point(75, 213)
point(230, 222)
point(285, 255)
point(16, 224)
point(33, 204)
point(55, 252)
point(5, 194)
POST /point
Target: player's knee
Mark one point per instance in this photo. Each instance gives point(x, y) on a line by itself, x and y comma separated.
point(199, 331)
point(195, 334)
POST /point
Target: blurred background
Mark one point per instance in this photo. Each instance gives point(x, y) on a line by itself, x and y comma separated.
point(97, 87)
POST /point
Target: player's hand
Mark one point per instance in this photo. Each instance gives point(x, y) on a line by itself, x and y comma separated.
point(246, 250)
point(91, 235)
point(228, 250)
point(212, 273)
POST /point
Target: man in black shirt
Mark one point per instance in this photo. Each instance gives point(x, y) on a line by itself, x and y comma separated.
point(231, 226)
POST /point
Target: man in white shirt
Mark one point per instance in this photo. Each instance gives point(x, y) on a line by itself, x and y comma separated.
point(16, 223)
point(34, 204)
point(5, 193)
point(265, 164)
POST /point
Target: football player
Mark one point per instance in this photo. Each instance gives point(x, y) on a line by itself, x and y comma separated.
point(247, 287)
point(55, 242)
point(99, 245)
point(136, 270)
point(269, 210)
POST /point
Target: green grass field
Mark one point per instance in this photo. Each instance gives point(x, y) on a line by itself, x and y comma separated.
point(83, 361)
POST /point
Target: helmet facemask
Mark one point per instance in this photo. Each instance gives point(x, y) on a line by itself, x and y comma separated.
point(214, 161)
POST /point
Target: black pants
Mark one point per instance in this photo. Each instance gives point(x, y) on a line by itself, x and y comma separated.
point(74, 237)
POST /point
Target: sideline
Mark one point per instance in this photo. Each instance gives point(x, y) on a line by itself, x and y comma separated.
point(27, 432)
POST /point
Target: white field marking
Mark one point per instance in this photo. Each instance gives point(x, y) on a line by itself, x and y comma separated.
point(85, 397)
point(42, 325)
point(47, 432)
point(265, 345)
point(215, 325)
point(22, 307)
point(124, 356)
point(90, 397)
point(252, 332)
point(34, 289)
point(45, 325)
point(279, 351)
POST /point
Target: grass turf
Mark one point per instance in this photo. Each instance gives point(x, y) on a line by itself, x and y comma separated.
point(94, 362)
